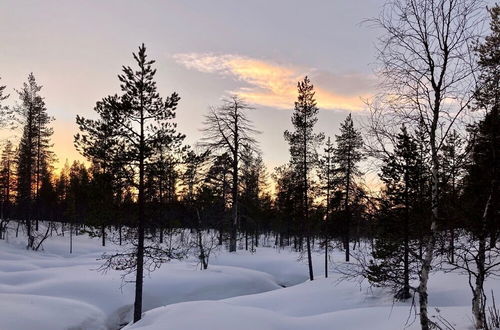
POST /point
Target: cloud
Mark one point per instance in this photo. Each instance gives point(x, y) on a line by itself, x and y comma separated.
point(270, 84)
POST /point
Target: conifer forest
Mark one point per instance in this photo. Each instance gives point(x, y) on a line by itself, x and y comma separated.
point(295, 197)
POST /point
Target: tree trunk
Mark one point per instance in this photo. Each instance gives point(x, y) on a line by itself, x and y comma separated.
point(429, 242)
point(246, 240)
point(203, 256)
point(347, 228)
point(327, 211)
point(234, 223)
point(478, 296)
point(140, 244)
point(406, 286)
point(103, 235)
point(70, 238)
point(306, 205)
point(234, 188)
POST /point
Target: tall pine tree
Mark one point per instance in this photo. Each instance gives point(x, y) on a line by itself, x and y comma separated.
point(329, 183)
point(347, 155)
point(140, 121)
point(304, 143)
point(6, 183)
point(34, 155)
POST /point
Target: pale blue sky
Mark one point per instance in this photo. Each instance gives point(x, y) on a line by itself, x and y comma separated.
point(204, 50)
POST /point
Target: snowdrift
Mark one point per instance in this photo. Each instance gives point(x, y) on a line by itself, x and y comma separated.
point(268, 290)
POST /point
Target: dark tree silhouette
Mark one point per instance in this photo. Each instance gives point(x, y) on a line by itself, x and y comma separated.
point(137, 123)
point(34, 155)
point(347, 155)
point(304, 143)
point(228, 130)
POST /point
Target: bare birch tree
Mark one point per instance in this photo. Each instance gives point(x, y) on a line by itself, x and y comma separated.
point(427, 71)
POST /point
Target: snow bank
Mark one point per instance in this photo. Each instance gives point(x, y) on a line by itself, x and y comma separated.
point(57, 290)
point(19, 311)
point(42, 282)
point(321, 304)
point(282, 264)
point(217, 315)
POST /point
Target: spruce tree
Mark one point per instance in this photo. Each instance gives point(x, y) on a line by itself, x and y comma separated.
point(218, 182)
point(163, 174)
point(453, 161)
point(304, 142)
point(6, 184)
point(34, 155)
point(193, 179)
point(4, 111)
point(329, 183)
point(288, 203)
point(482, 188)
point(347, 155)
point(400, 175)
point(253, 184)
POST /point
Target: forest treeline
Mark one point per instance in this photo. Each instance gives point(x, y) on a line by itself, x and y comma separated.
point(431, 135)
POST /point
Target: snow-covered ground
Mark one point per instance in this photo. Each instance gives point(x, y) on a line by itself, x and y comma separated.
point(55, 290)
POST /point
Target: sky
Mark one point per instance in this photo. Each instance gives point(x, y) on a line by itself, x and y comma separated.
point(204, 50)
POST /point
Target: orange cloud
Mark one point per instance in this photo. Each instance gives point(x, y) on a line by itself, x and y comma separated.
point(270, 84)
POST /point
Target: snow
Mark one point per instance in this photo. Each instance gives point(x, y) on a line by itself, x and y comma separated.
point(20, 311)
point(320, 304)
point(279, 263)
point(221, 315)
point(268, 289)
point(44, 281)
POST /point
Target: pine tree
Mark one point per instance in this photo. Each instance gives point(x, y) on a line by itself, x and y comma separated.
point(77, 194)
point(347, 155)
point(303, 142)
point(102, 147)
point(218, 184)
point(6, 166)
point(162, 175)
point(61, 189)
point(34, 155)
point(253, 184)
point(400, 174)
point(7, 184)
point(193, 179)
point(47, 199)
point(287, 204)
point(140, 121)
point(4, 111)
point(329, 183)
point(453, 158)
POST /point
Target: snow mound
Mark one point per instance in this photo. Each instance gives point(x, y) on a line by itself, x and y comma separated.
point(19, 311)
point(217, 315)
point(53, 289)
point(283, 265)
point(47, 281)
point(319, 304)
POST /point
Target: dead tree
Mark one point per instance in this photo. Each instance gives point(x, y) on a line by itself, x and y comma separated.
point(228, 129)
